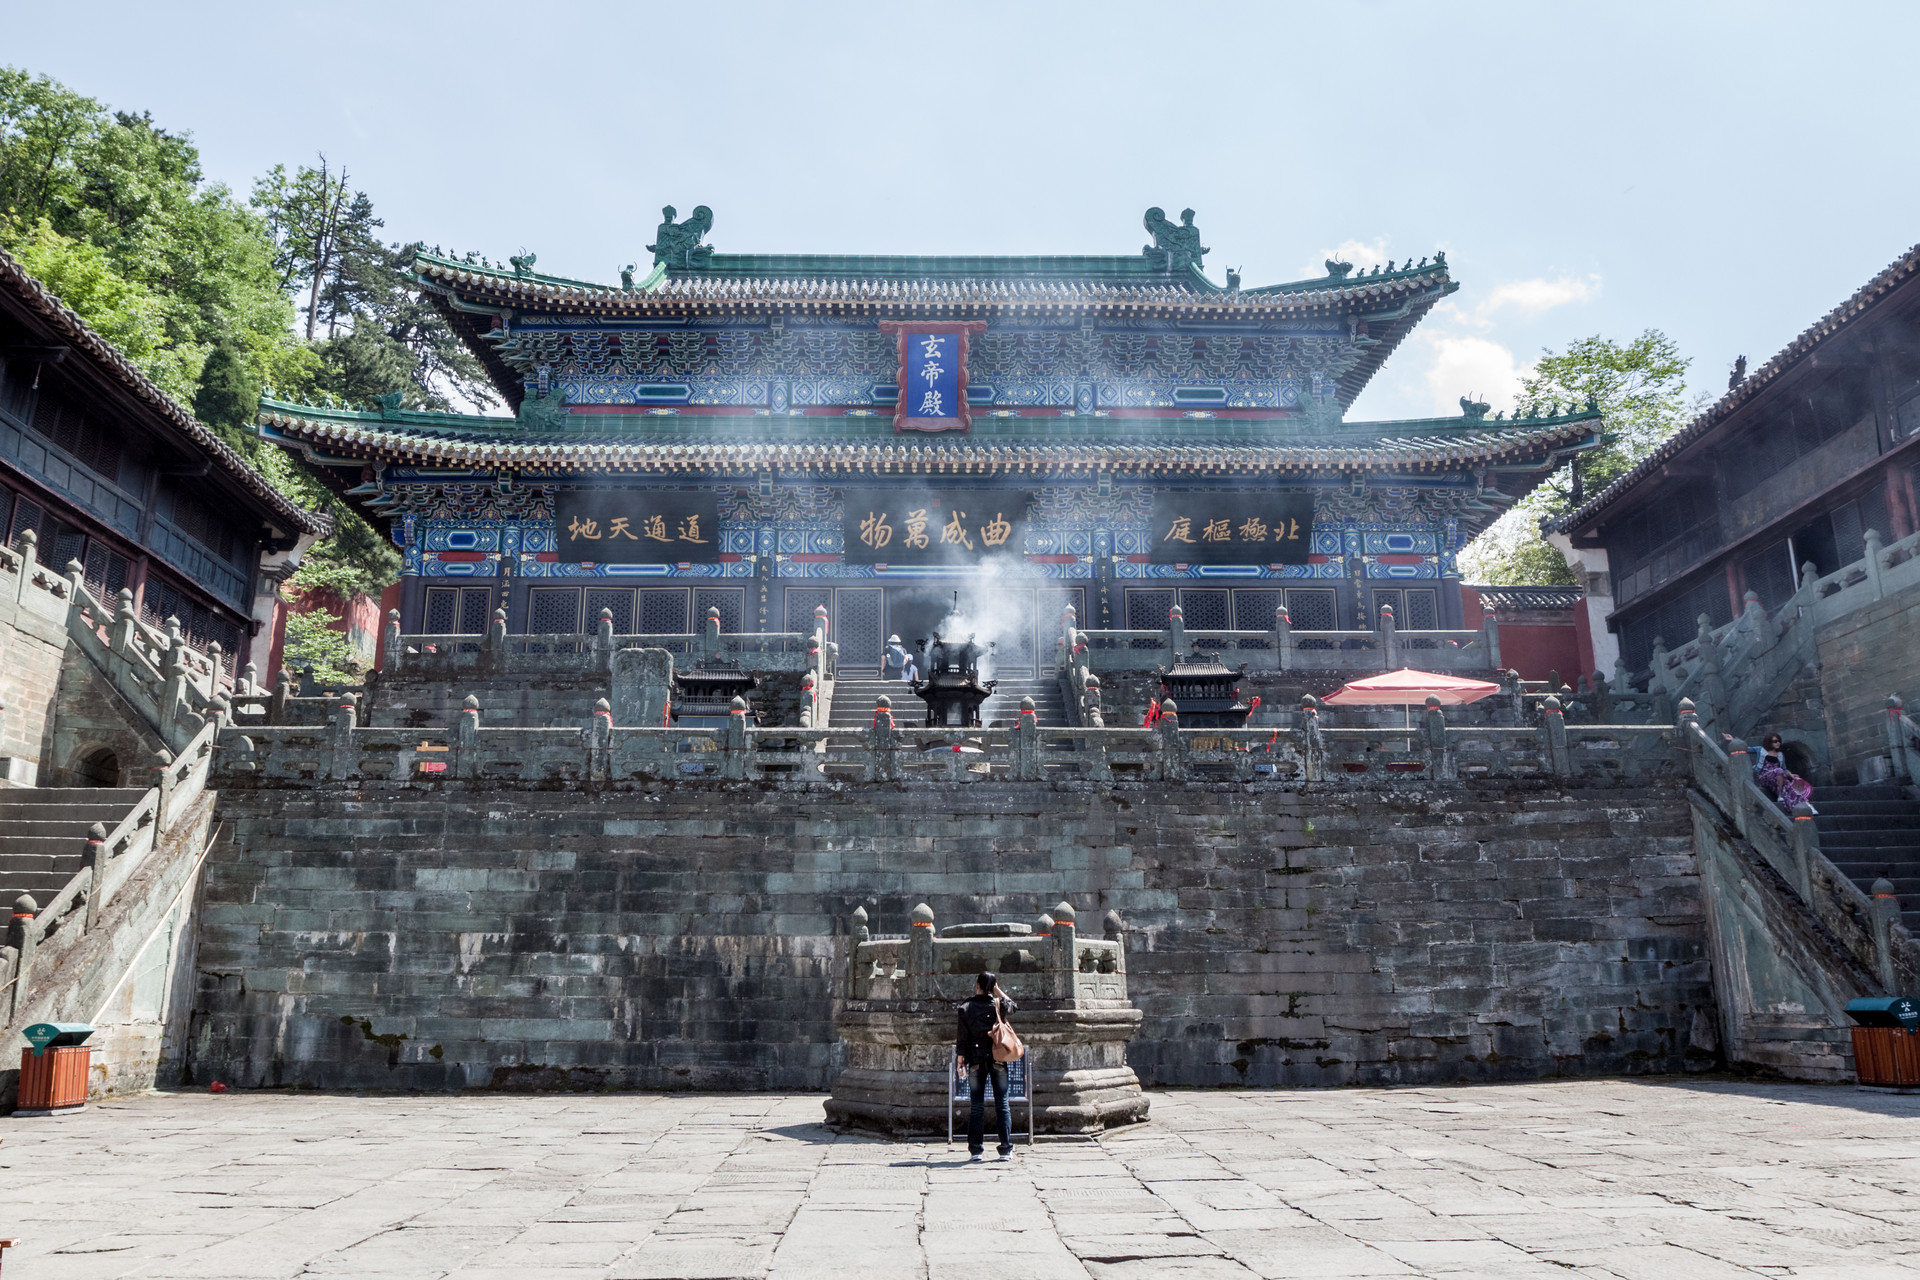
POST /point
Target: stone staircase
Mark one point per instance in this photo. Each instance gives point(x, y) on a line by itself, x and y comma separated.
point(1872, 831)
point(43, 833)
point(853, 703)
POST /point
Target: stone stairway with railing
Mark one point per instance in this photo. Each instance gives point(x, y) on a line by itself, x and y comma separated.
point(854, 701)
point(1871, 833)
point(88, 872)
point(43, 834)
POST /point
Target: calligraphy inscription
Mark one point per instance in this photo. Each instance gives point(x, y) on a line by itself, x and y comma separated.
point(1203, 527)
point(636, 526)
point(883, 527)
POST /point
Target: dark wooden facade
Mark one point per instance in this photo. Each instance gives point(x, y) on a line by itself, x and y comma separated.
point(106, 470)
point(1790, 468)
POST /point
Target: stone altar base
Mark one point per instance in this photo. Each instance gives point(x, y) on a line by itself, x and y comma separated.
point(1075, 1021)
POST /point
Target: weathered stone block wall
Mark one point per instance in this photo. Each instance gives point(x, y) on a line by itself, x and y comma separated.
point(93, 721)
point(545, 701)
point(1865, 656)
point(695, 937)
point(32, 641)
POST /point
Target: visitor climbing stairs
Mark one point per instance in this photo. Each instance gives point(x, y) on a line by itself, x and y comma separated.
point(1870, 832)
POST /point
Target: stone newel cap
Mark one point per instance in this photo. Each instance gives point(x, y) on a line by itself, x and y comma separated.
point(923, 914)
point(1063, 912)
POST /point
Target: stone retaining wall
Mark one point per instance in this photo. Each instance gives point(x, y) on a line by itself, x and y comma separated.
point(471, 936)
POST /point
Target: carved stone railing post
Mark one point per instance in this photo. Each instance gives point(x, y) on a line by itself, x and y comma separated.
point(1066, 946)
point(920, 984)
point(493, 650)
point(466, 739)
point(1739, 770)
point(1064, 646)
point(390, 655)
point(1553, 728)
point(1091, 714)
point(1687, 735)
point(1173, 755)
point(1873, 553)
point(710, 633)
point(1026, 745)
point(1389, 644)
point(124, 625)
point(96, 862)
point(1806, 849)
point(820, 629)
point(880, 742)
point(1897, 748)
point(603, 641)
point(1098, 762)
point(277, 704)
point(1174, 637)
point(215, 661)
point(163, 782)
point(858, 971)
point(733, 760)
point(599, 737)
point(1282, 640)
point(29, 556)
point(1439, 760)
point(809, 699)
point(1313, 748)
point(1712, 688)
point(1886, 914)
point(173, 694)
point(1490, 638)
point(343, 753)
point(23, 935)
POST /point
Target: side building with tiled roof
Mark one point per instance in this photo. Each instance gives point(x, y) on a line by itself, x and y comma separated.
point(1790, 468)
point(99, 466)
point(765, 435)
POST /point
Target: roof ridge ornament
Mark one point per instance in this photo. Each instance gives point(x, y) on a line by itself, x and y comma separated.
point(1178, 247)
point(1338, 270)
point(677, 244)
point(1474, 410)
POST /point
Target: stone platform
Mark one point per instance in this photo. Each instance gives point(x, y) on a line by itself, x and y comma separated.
point(1583, 1180)
point(1073, 1015)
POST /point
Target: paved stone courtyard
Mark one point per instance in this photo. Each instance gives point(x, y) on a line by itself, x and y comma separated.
point(1604, 1178)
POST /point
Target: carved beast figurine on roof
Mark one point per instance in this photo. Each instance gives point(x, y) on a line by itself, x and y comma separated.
point(1178, 246)
point(678, 243)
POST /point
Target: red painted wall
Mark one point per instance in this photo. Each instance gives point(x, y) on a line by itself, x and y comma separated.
point(1534, 647)
point(359, 617)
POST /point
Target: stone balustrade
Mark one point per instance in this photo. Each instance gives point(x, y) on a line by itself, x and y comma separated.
point(1868, 927)
point(1080, 652)
point(1734, 673)
point(495, 652)
point(604, 752)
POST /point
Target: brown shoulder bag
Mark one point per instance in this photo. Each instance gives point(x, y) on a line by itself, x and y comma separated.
point(1006, 1045)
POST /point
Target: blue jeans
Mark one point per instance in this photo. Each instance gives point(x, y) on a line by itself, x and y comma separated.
point(978, 1076)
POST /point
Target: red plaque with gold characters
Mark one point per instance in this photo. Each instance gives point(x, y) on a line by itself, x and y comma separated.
point(933, 373)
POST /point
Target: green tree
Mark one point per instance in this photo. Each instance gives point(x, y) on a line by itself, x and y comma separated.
point(1640, 388)
point(228, 396)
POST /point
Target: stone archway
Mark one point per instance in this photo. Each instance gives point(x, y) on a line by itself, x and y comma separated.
point(98, 767)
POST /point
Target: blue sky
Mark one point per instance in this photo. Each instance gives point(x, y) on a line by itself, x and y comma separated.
point(1724, 172)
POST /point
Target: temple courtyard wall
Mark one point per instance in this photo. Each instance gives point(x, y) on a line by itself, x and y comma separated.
point(458, 935)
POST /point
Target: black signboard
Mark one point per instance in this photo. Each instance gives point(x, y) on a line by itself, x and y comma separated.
point(637, 526)
point(922, 526)
point(1201, 526)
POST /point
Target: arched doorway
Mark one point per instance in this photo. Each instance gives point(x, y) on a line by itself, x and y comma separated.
point(98, 768)
point(1799, 758)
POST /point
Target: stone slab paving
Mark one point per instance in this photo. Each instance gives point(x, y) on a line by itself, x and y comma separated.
point(1601, 1178)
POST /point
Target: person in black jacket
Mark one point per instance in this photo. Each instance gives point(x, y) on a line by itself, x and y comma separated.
point(973, 1052)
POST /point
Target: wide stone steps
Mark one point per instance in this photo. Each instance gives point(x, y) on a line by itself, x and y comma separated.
point(1871, 832)
point(853, 703)
point(43, 834)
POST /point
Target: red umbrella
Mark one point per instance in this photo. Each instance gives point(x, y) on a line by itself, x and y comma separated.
point(1410, 688)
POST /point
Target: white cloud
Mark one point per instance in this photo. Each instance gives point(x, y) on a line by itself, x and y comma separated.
point(1538, 294)
point(1462, 364)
